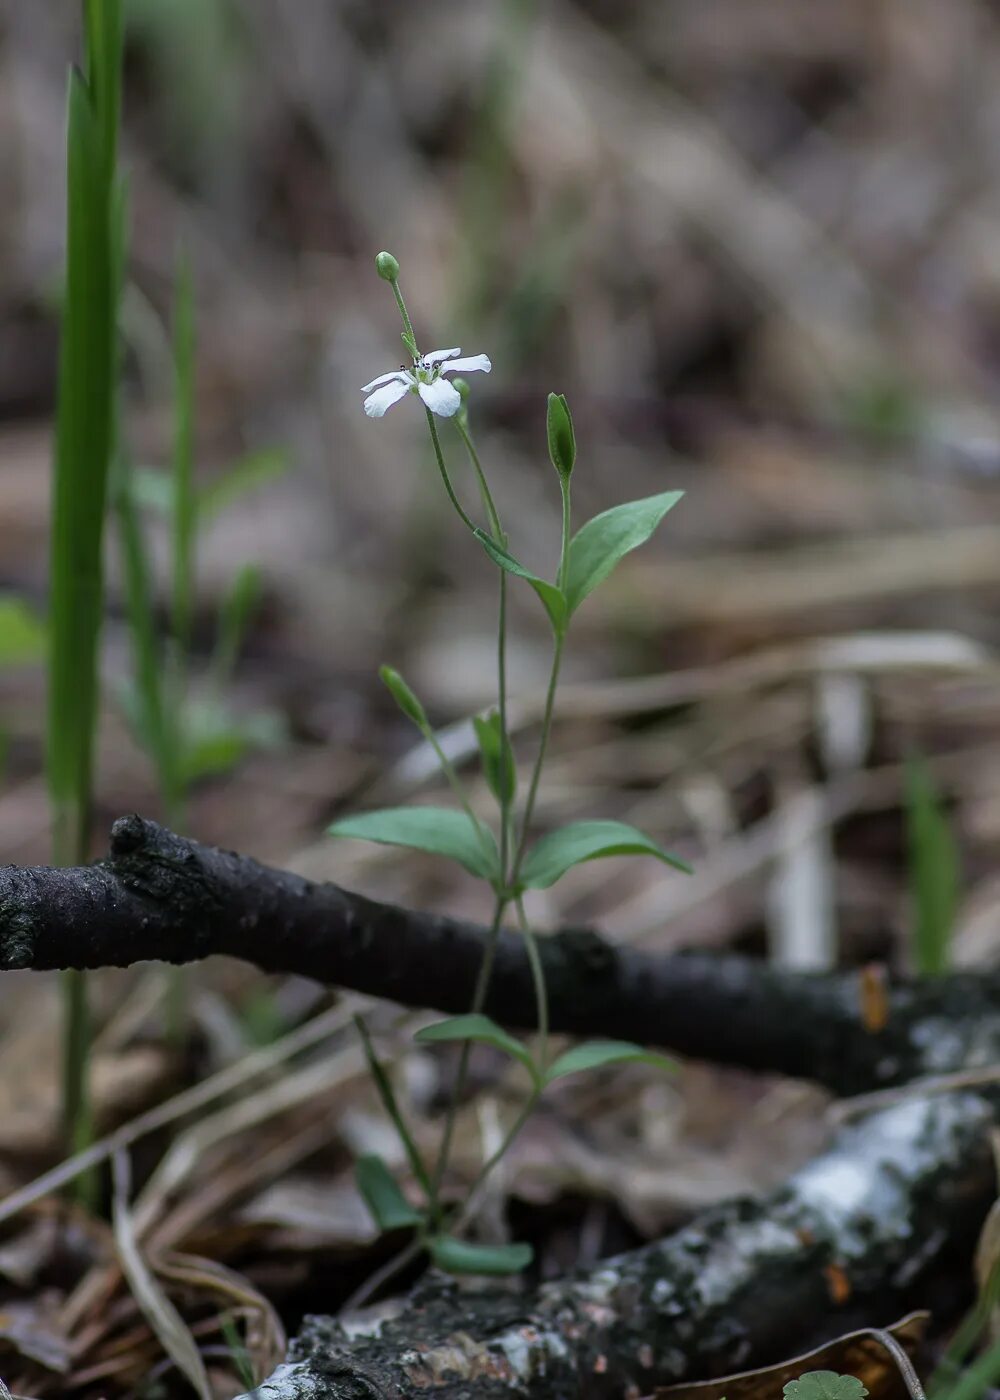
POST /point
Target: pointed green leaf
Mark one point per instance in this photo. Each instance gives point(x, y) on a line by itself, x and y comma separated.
point(497, 757)
point(481, 1029)
point(550, 858)
point(389, 1207)
point(439, 830)
point(604, 541)
point(461, 1257)
point(552, 597)
point(595, 1054)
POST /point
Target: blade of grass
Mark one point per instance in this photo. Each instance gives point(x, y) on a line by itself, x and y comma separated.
point(84, 444)
point(185, 500)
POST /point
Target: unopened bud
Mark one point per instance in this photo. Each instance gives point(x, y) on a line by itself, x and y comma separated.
point(562, 443)
point(387, 267)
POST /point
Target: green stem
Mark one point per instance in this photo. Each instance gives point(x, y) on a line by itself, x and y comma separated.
point(455, 783)
point(405, 315)
point(436, 441)
point(536, 773)
point(493, 515)
point(550, 698)
point(478, 999)
point(462, 1214)
point(484, 490)
point(538, 979)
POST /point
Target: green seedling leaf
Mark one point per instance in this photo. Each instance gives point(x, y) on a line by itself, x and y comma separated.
point(388, 1097)
point(461, 1257)
point(601, 544)
point(934, 875)
point(497, 756)
point(235, 614)
point(438, 830)
point(825, 1385)
point(550, 858)
point(551, 596)
point(483, 1031)
point(404, 697)
point(213, 740)
point(562, 442)
point(22, 632)
point(153, 490)
point(597, 1054)
point(250, 472)
point(389, 1207)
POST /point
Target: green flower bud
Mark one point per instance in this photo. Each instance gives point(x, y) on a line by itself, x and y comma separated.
point(387, 267)
point(497, 756)
point(403, 696)
point(562, 443)
point(462, 386)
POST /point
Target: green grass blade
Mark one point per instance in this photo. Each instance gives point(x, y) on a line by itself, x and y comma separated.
point(933, 870)
point(105, 36)
point(185, 500)
point(84, 435)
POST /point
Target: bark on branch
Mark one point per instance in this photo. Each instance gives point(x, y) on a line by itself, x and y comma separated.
point(159, 896)
point(747, 1283)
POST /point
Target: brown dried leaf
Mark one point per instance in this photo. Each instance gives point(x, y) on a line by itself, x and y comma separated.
point(862, 1354)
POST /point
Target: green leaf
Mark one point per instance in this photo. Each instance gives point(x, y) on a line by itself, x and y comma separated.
point(550, 858)
point(461, 1257)
point(404, 697)
point(497, 756)
point(825, 1385)
point(482, 1030)
point(596, 1054)
point(212, 739)
point(388, 1097)
point(256, 469)
point(551, 596)
point(184, 508)
point(439, 830)
point(933, 870)
point(389, 1207)
point(603, 542)
point(235, 614)
point(562, 442)
point(22, 632)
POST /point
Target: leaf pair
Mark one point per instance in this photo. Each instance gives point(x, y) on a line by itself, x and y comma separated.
point(596, 549)
point(593, 1054)
point(443, 831)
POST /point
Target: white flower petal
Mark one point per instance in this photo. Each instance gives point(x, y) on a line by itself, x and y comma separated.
point(377, 403)
point(436, 356)
point(384, 379)
point(470, 363)
point(441, 397)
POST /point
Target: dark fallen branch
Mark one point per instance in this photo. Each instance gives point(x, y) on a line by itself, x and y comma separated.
point(160, 897)
point(749, 1282)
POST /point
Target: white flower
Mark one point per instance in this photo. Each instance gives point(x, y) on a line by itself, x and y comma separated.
point(426, 378)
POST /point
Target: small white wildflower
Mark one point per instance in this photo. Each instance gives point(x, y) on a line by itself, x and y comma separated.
point(426, 378)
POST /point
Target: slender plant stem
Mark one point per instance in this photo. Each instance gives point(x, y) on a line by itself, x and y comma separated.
point(436, 441)
point(466, 1209)
point(478, 999)
point(536, 773)
point(376, 1281)
point(489, 505)
point(458, 788)
point(488, 502)
point(405, 315)
point(538, 978)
